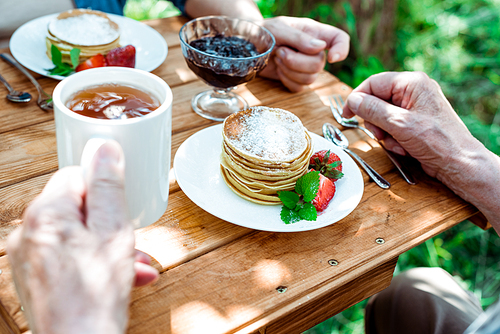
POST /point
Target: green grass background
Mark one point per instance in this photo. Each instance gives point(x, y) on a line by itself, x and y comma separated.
point(456, 42)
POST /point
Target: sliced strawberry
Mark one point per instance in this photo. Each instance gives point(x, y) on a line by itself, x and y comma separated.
point(124, 56)
point(327, 163)
point(95, 61)
point(325, 193)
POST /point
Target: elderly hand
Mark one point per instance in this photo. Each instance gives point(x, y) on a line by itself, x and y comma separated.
point(73, 257)
point(410, 113)
point(299, 56)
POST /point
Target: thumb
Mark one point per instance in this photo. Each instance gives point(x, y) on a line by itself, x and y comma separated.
point(105, 201)
point(376, 111)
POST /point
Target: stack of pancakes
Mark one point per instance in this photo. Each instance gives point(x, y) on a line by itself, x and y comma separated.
point(264, 150)
point(88, 30)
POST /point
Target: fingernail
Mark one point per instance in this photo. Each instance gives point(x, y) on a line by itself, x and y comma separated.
point(109, 153)
point(354, 100)
point(398, 150)
point(142, 257)
point(281, 53)
point(318, 43)
point(334, 57)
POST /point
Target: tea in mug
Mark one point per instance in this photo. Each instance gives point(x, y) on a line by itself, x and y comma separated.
point(112, 101)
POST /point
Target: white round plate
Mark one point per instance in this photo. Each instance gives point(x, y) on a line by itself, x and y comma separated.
point(197, 170)
point(27, 44)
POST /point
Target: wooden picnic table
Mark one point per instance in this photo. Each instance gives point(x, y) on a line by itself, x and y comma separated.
point(217, 277)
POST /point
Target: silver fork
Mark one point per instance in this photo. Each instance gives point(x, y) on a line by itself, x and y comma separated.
point(44, 99)
point(336, 105)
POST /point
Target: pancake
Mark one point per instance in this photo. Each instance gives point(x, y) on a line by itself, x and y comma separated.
point(88, 30)
point(249, 195)
point(265, 172)
point(265, 135)
point(264, 150)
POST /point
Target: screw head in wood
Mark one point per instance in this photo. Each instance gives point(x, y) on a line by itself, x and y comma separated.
point(333, 262)
point(379, 241)
point(281, 289)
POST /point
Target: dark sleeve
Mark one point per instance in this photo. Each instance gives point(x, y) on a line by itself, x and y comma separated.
point(107, 6)
point(180, 4)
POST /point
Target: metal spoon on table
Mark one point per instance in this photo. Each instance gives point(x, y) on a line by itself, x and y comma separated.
point(44, 100)
point(15, 95)
point(337, 137)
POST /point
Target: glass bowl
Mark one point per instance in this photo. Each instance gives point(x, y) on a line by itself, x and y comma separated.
point(228, 60)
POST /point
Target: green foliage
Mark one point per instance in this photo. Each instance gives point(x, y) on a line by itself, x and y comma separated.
point(456, 43)
point(360, 69)
point(358, 66)
point(488, 134)
point(351, 321)
point(267, 7)
point(350, 19)
point(149, 9)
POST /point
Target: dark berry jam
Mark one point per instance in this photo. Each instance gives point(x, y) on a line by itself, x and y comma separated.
point(223, 46)
point(234, 68)
point(219, 80)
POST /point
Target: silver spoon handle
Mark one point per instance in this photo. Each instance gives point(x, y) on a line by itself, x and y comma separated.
point(392, 156)
point(8, 58)
point(376, 177)
point(2, 79)
point(368, 133)
point(402, 170)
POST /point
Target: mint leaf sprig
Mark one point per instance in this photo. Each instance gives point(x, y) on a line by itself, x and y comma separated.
point(297, 204)
point(63, 69)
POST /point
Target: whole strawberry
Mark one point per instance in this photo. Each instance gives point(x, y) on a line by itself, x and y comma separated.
point(325, 193)
point(327, 163)
point(124, 56)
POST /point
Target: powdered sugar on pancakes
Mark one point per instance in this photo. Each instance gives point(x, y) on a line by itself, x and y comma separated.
point(270, 134)
point(85, 29)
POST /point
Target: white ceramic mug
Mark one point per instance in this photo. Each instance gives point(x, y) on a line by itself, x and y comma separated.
point(145, 140)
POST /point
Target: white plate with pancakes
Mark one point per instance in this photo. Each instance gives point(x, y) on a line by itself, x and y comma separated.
point(198, 173)
point(28, 44)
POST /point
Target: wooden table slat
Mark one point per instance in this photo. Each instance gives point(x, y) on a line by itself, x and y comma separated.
point(303, 314)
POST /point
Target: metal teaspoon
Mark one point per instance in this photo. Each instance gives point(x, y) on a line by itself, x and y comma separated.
point(14, 95)
point(44, 100)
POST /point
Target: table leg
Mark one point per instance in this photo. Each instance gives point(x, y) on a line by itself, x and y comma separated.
point(480, 220)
